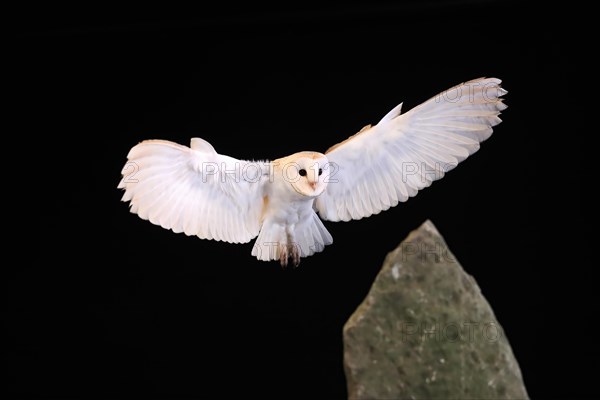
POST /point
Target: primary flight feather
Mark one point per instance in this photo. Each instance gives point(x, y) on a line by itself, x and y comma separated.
point(202, 193)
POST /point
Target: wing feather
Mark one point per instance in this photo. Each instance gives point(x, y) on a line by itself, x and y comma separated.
point(171, 186)
point(404, 153)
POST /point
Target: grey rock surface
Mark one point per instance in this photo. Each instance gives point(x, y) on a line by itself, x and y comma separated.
point(425, 331)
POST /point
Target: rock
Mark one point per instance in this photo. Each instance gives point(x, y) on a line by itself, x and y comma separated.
point(425, 331)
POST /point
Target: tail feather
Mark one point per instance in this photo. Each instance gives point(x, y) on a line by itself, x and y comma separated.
point(312, 236)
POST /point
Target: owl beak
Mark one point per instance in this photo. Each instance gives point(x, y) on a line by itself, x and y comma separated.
point(313, 185)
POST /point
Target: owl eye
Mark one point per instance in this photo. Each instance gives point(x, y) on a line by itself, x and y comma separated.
point(320, 171)
point(302, 172)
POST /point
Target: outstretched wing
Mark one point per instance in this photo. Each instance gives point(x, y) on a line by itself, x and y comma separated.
point(195, 190)
point(390, 162)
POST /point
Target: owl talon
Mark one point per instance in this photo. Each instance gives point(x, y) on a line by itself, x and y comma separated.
point(288, 251)
point(295, 254)
point(283, 256)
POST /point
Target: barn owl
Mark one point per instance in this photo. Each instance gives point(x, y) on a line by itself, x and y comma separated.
point(202, 193)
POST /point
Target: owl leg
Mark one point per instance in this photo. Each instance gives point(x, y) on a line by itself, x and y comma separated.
point(294, 253)
point(287, 251)
point(283, 255)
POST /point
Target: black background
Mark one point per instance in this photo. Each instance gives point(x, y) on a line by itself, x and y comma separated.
point(114, 306)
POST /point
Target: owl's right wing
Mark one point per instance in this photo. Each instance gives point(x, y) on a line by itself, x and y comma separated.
point(195, 190)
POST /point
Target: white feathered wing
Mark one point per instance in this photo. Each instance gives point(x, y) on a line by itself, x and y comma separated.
point(390, 162)
point(195, 190)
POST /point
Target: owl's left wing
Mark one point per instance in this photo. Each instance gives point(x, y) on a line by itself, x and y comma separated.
point(390, 162)
point(195, 190)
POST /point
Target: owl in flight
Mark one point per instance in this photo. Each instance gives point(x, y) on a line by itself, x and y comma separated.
point(200, 192)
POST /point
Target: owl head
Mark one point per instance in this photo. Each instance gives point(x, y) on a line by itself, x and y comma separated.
point(307, 172)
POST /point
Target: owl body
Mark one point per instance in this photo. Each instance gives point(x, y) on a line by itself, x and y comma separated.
point(199, 192)
point(290, 225)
